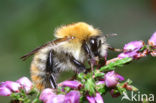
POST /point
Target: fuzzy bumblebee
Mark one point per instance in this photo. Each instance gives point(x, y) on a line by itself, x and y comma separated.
point(75, 43)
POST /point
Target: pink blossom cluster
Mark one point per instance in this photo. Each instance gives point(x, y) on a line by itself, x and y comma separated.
point(9, 87)
point(134, 49)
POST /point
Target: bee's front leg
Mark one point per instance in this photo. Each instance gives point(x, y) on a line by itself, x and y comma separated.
point(93, 59)
point(80, 66)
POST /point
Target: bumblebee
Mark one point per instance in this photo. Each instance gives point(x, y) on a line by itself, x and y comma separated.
point(75, 43)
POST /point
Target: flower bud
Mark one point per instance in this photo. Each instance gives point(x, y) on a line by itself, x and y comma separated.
point(71, 84)
point(98, 98)
point(72, 97)
point(100, 82)
point(95, 99)
point(133, 45)
point(13, 86)
point(57, 99)
point(90, 99)
point(112, 78)
point(46, 94)
point(131, 50)
point(152, 40)
point(26, 83)
point(4, 91)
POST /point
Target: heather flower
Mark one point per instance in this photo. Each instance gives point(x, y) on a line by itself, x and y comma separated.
point(152, 40)
point(46, 94)
point(131, 50)
point(25, 83)
point(95, 99)
point(57, 99)
point(112, 79)
point(13, 86)
point(90, 99)
point(133, 45)
point(121, 78)
point(4, 91)
point(100, 82)
point(72, 97)
point(71, 84)
point(98, 98)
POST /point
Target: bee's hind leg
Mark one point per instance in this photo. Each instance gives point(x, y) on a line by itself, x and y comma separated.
point(50, 73)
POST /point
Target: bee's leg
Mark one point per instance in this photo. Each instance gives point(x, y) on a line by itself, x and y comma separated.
point(50, 70)
point(87, 50)
point(93, 59)
point(80, 66)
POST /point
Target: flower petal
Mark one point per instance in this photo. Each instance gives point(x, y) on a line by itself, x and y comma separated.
point(110, 79)
point(71, 84)
point(46, 94)
point(98, 98)
point(90, 99)
point(13, 86)
point(152, 40)
point(57, 99)
point(26, 83)
point(4, 91)
point(72, 97)
point(133, 45)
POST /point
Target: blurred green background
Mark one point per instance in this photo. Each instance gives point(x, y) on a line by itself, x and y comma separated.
point(27, 24)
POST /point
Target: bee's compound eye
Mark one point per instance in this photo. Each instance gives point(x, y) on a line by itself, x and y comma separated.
point(92, 41)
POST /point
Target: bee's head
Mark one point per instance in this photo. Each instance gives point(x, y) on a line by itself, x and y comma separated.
point(98, 46)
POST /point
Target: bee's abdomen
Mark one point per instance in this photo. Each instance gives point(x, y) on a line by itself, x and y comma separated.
point(37, 69)
point(36, 77)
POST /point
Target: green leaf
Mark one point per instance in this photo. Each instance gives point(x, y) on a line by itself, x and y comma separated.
point(81, 76)
point(101, 88)
point(97, 73)
point(118, 63)
point(90, 86)
point(67, 89)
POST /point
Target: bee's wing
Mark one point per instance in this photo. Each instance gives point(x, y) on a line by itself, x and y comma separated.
point(51, 42)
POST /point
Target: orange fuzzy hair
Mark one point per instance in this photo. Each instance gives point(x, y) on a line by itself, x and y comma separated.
point(80, 31)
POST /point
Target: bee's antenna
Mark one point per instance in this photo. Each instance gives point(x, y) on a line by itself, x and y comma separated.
point(115, 49)
point(110, 35)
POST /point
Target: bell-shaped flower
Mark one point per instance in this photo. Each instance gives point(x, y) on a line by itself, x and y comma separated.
point(4, 91)
point(13, 86)
point(72, 97)
point(25, 83)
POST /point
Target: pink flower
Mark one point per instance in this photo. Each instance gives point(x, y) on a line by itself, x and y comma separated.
point(90, 99)
point(100, 82)
point(4, 91)
point(112, 79)
point(121, 78)
point(25, 83)
point(133, 45)
point(131, 50)
point(46, 94)
point(95, 99)
point(98, 98)
point(152, 40)
point(13, 86)
point(71, 84)
point(57, 99)
point(72, 97)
